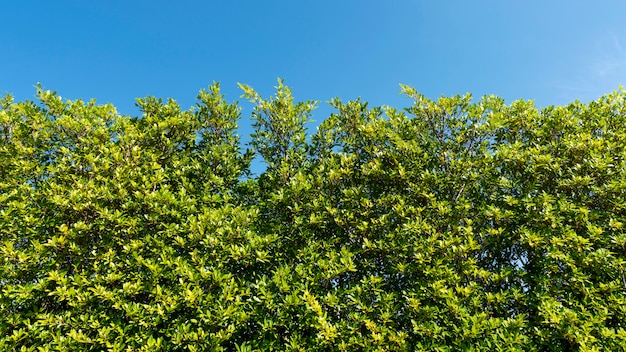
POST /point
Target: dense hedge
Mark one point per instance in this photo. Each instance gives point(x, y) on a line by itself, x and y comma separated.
point(452, 224)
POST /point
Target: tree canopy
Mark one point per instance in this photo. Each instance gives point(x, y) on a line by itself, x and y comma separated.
point(449, 224)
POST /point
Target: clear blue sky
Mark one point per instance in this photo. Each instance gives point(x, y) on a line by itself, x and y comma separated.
point(552, 51)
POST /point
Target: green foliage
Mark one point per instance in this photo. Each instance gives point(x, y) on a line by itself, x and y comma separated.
point(451, 224)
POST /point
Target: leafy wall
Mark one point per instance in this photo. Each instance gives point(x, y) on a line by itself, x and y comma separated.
point(451, 224)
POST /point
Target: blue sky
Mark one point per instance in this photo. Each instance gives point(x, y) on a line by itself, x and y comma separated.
point(115, 51)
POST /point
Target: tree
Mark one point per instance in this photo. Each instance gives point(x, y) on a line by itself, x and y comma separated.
point(449, 224)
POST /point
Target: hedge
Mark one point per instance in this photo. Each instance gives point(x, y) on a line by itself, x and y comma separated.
point(450, 224)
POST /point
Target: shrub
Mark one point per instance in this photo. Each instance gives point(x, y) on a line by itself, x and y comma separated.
point(448, 225)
